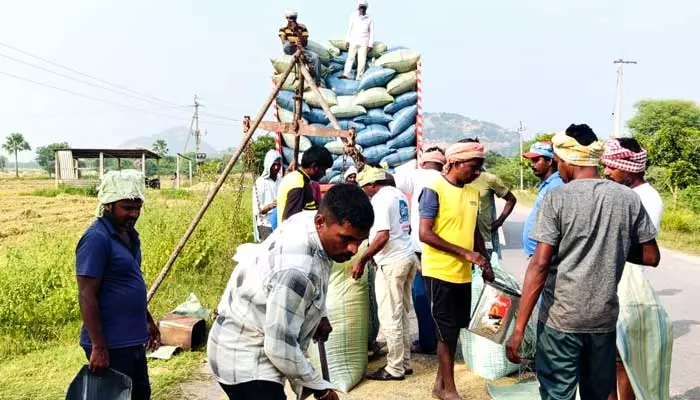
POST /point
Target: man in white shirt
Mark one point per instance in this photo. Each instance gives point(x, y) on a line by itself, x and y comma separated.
point(358, 40)
point(265, 196)
point(625, 162)
point(393, 251)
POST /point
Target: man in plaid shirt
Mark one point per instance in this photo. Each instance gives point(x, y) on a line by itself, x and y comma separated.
point(274, 303)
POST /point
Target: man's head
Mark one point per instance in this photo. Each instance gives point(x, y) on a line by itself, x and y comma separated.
point(362, 7)
point(625, 161)
point(433, 158)
point(465, 161)
point(372, 179)
point(272, 164)
point(577, 148)
point(541, 156)
point(344, 219)
point(121, 195)
point(350, 176)
point(291, 16)
point(315, 161)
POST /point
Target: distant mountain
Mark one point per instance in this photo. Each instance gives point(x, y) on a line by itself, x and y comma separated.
point(442, 129)
point(176, 138)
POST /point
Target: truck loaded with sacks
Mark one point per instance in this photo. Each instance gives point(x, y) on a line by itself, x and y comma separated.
point(384, 106)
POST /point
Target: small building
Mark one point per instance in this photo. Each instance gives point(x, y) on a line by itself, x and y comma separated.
point(68, 171)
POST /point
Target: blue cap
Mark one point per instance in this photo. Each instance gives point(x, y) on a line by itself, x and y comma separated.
point(540, 149)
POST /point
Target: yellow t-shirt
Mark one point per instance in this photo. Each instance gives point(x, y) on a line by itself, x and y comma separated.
point(294, 195)
point(454, 211)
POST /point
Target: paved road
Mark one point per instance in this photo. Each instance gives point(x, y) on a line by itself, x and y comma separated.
point(677, 283)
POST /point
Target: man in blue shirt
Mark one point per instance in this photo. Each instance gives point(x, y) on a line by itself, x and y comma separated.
point(541, 156)
point(117, 327)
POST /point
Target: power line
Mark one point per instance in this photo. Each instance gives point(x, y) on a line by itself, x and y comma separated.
point(89, 76)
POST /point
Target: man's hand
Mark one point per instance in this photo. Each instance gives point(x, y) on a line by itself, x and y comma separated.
point(496, 224)
point(347, 46)
point(474, 258)
point(487, 273)
point(512, 346)
point(323, 329)
point(153, 342)
point(358, 269)
point(99, 359)
point(268, 207)
point(327, 394)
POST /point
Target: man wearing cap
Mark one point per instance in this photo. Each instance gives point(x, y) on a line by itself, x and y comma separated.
point(117, 327)
point(358, 40)
point(295, 36)
point(392, 249)
point(625, 162)
point(541, 156)
point(586, 230)
point(448, 209)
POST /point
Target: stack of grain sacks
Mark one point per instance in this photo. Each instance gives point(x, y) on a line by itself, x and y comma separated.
point(381, 106)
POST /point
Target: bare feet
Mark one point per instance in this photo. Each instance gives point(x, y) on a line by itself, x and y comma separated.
point(438, 390)
point(451, 396)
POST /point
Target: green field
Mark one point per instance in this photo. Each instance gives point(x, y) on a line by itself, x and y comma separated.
point(39, 228)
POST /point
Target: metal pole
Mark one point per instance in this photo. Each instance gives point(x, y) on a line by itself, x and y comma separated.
point(298, 104)
point(219, 182)
point(177, 172)
point(521, 129)
point(618, 98)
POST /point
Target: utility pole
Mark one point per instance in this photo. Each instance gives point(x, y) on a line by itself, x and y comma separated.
point(197, 133)
point(521, 130)
point(618, 101)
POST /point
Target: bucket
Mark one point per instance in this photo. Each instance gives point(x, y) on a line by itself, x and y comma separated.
point(494, 312)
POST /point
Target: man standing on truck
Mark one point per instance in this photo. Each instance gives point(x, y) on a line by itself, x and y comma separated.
point(117, 327)
point(295, 36)
point(393, 252)
point(625, 162)
point(295, 191)
point(358, 40)
point(586, 230)
point(541, 156)
point(275, 301)
point(448, 209)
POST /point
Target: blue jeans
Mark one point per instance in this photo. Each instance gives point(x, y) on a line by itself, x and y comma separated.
point(130, 361)
point(313, 58)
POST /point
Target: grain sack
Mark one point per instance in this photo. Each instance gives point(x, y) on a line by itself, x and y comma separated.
point(304, 142)
point(403, 119)
point(285, 99)
point(281, 63)
point(287, 154)
point(347, 302)
point(373, 135)
point(374, 97)
point(330, 174)
point(323, 54)
point(376, 154)
point(343, 87)
point(287, 116)
point(289, 84)
point(338, 44)
point(401, 102)
point(342, 163)
point(346, 124)
point(399, 157)
point(328, 95)
point(346, 108)
point(316, 116)
point(399, 60)
point(376, 77)
point(320, 140)
point(337, 147)
point(374, 116)
point(378, 48)
point(402, 83)
point(406, 138)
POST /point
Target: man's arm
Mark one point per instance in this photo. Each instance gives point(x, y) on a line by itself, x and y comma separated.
point(88, 295)
point(511, 200)
point(480, 247)
point(348, 34)
point(371, 35)
point(535, 278)
point(375, 247)
point(283, 36)
point(645, 254)
point(304, 36)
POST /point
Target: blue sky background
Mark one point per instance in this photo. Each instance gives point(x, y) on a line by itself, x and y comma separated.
point(546, 62)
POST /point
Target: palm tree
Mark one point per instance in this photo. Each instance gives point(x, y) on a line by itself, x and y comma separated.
point(160, 146)
point(14, 144)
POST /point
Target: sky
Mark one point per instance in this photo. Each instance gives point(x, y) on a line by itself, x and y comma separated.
point(546, 62)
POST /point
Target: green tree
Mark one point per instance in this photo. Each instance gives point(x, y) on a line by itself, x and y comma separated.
point(670, 131)
point(3, 162)
point(45, 155)
point(14, 144)
point(160, 146)
point(261, 146)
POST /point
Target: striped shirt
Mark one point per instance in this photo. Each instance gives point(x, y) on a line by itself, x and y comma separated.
point(270, 309)
point(294, 35)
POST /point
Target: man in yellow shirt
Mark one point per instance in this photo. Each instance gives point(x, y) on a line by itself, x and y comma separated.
point(448, 209)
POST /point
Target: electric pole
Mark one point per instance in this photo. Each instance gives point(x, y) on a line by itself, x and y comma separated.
point(197, 133)
point(521, 130)
point(618, 101)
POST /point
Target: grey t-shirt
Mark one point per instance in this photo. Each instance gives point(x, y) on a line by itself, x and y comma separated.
point(591, 223)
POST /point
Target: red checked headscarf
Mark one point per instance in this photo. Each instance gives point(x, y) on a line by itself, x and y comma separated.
point(618, 157)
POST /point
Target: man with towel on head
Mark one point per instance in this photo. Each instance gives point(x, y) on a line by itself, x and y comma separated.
point(448, 209)
point(117, 327)
point(586, 231)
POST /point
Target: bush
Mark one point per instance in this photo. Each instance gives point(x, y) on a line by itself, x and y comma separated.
point(690, 198)
point(90, 191)
point(680, 220)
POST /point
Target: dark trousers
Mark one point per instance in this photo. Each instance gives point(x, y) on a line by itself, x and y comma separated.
point(255, 390)
point(565, 360)
point(130, 361)
point(421, 303)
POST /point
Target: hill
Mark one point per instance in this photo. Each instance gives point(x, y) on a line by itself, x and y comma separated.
point(175, 137)
point(442, 129)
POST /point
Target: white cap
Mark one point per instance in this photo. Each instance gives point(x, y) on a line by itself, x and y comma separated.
point(290, 13)
point(361, 3)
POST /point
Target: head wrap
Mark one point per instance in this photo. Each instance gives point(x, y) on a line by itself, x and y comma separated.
point(618, 157)
point(127, 184)
point(540, 149)
point(270, 158)
point(459, 152)
point(350, 171)
point(370, 175)
point(290, 13)
point(432, 156)
point(574, 153)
